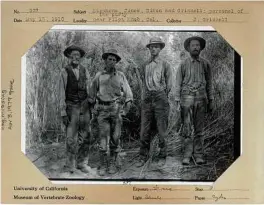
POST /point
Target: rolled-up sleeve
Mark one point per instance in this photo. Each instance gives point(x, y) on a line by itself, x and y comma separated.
point(88, 81)
point(127, 90)
point(62, 88)
point(209, 81)
point(178, 83)
point(93, 88)
point(168, 76)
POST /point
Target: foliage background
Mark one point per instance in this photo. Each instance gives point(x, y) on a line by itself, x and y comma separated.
point(45, 60)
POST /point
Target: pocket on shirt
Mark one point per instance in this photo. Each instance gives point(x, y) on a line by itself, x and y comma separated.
point(185, 92)
point(157, 77)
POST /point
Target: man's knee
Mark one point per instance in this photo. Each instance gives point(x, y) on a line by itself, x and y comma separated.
point(162, 127)
point(103, 144)
point(117, 130)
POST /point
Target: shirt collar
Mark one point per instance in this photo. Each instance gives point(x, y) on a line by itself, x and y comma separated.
point(198, 59)
point(105, 72)
point(77, 68)
point(156, 60)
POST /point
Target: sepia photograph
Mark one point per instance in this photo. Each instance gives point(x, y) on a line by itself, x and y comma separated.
point(132, 104)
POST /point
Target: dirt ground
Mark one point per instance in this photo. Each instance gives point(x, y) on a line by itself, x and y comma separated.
point(50, 160)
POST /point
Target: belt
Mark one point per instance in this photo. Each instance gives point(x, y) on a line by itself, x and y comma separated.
point(100, 102)
point(154, 92)
point(193, 88)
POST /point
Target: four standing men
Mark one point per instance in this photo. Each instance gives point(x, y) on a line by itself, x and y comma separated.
point(111, 92)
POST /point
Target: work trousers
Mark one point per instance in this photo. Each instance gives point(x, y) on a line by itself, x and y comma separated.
point(154, 114)
point(110, 124)
point(193, 109)
point(78, 130)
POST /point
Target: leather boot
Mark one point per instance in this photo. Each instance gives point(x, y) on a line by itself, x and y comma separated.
point(162, 155)
point(141, 161)
point(103, 164)
point(83, 166)
point(186, 161)
point(188, 151)
point(200, 160)
point(71, 163)
point(112, 164)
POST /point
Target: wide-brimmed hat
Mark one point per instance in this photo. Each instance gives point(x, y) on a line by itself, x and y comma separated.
point(156, 40)
point(71, 48)
point(188, 41)
point(111, 52)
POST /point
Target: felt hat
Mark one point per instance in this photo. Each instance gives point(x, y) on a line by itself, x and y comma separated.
point(188, 41)
point(111, 52)
point(71, 48)
point(156, 40)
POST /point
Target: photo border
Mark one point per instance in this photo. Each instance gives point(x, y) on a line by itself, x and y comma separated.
point(238, 101)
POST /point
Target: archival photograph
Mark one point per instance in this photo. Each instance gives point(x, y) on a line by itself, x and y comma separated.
point(132, 105)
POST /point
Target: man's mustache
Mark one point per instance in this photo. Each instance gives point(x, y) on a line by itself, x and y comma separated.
point(75, 61)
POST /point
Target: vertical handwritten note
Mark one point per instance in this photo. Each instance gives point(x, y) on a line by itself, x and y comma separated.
point(7, 106)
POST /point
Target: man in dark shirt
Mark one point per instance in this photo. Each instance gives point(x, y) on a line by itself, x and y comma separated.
point(157, 83)
point(109, 89)
point(194, 96)
point(75, 109)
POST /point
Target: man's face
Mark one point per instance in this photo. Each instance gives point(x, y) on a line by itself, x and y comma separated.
point(155, 49)
point(75, 57)
point(195, 48)
point(110, 61)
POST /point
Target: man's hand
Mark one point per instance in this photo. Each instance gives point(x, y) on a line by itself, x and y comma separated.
point(65, 120)
point(126, 108)
point(167, 93)
point(89, 103)
point(123, 113)
point(178, 105)
point(210, 106)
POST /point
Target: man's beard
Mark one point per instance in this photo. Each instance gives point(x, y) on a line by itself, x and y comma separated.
point(195, 53)
point(75, 63)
